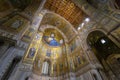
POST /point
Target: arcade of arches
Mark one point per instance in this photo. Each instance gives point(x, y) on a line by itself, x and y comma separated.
point(59, 40)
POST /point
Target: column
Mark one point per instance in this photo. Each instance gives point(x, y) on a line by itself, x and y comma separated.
point(3, 49)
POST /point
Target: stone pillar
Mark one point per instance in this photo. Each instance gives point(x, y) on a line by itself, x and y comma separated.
point(17, 74)
point(6, 60)
point(103, 75)
point(20, 75)
point(3, 49)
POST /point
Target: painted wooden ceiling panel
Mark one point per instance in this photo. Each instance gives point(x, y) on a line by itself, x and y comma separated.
point(67, 9)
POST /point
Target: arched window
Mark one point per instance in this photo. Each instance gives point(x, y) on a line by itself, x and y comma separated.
point(118, 59)
point(95, 77)
point(1, 46)
point(26, 78)
point(45, 68)
point(39, 63)
point(1, 43)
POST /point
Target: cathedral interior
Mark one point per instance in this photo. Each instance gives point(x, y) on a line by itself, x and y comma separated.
point(59, 39)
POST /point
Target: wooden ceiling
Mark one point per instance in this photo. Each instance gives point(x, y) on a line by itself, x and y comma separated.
point(67, 9)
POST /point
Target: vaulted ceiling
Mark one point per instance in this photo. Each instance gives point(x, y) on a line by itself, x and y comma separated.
point(103, 50)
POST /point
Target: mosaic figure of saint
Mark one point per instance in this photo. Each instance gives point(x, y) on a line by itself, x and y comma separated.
point(31, 53)
point(48, 53)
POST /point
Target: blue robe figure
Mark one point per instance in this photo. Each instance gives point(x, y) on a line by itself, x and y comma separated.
point(31, 52)
point(51, 40)
point(54, 43)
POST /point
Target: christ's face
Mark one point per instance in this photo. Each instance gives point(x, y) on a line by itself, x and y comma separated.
point(52, 35)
